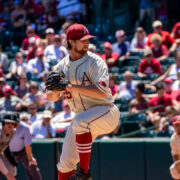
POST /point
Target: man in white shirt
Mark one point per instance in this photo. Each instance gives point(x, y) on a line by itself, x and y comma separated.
point(127, 88)
point(43, 129)
point(63, 119)
point(38, 65)
point(55, 51)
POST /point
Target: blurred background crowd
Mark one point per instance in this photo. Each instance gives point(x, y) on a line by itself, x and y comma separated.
point(142, 54)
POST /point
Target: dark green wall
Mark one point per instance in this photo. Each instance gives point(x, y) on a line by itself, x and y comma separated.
point(121, 159)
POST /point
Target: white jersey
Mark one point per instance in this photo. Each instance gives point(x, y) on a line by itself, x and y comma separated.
point(175, 144)
point(88, 70)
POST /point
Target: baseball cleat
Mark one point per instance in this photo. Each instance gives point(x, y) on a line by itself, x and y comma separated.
point(80, 175)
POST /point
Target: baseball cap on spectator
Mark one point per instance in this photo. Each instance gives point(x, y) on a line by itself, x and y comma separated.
point(30, 29)
point(32, 40)
point(139, 29)
point(168, 80)
point(92, 46)
point(157, 24)
point(57, 36)
point(147, 52)
point(2, 79)
point(176, 120)
point(7, 89)
point(49, 31)
point(78, 32)
point(107, 45)
point(47, 114)
point(120, 33)
point(39, 51)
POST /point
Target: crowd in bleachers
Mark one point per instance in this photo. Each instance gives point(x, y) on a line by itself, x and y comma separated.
point(144, 72)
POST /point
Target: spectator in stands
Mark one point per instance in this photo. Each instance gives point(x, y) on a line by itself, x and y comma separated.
point(138, 43)
point(174, 143)
point(176, 83)
point(92, 48)
point(109, 57)
point(43, 129)
point(113, 86)
point(23, 86)
point(175, 33)
point(1, 73)
point(24, 117)
point(3, 60)
point(160, 51)
point(63, 119)
point(56, 50)
point(6, 15)
point(172, 70)
point(49, 35)
point(32, 110)
point(165, 127)
point(69, 9)
point(127, 88)
point(10, 102)
point(2, 85)
point(168, 86)
point(32, 48)
point(2, 88)
point(149, 65)
point(167, 40)
point(63, 30)
point(121, 47)
point(30, 33)
point(38, 65)
point(17, 67)
point(34, 95)
point(145, 12)
point(140, 101)
point(163, 99)
point(18, 22)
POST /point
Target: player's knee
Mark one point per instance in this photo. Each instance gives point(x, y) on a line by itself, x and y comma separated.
point(174, 172)
point(79, 126)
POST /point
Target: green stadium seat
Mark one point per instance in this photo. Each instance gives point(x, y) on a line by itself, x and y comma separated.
point(114, 70)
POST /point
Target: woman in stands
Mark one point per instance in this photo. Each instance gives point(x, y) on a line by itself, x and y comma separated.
point(139, 41)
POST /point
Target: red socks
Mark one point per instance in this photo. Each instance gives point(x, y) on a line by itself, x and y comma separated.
point(65, 176)
point(84, 144)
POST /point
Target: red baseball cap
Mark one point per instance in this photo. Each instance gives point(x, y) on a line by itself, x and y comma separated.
point(7, 89)
point(107, 45)
point(78, 32)
point(176, 120)
point(168, 80)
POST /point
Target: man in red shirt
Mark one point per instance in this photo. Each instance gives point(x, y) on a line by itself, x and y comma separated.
point(160, 51)
point(109, 57)
point(167, 40)
point(32, 51)
point(30, 33)
point(161, 99)
point(176, 32)
point(149, 65)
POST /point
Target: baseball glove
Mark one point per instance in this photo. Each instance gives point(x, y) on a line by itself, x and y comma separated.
point(56, 81)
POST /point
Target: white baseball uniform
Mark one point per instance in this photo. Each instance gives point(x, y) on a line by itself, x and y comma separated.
point(96, 115)
point(175, 150)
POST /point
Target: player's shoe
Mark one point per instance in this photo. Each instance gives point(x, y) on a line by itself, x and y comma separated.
point(80, 175)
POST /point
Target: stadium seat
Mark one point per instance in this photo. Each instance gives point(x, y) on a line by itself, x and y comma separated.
point(114, 70)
